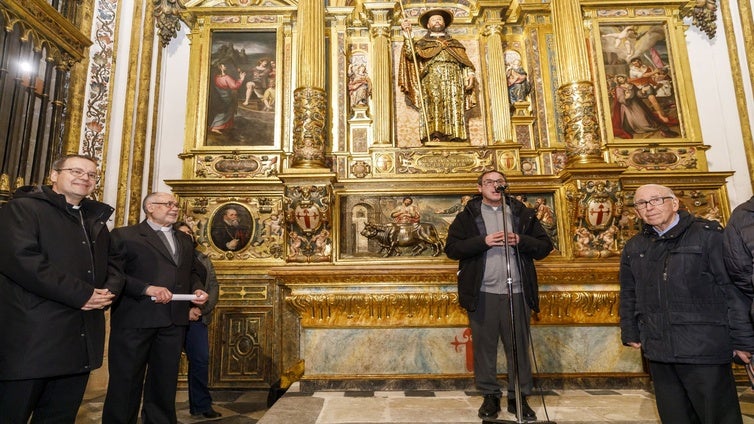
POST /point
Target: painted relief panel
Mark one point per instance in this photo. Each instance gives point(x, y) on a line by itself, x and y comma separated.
point(414, 226)
point(242, 89)
point(640, 81)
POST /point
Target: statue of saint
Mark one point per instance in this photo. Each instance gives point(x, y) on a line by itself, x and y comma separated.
point(359, 85)
point(438, 78)
point(519, 85)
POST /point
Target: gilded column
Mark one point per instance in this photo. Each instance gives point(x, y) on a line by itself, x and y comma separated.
point(310, 99)
point(382, 65)
point(500, 110)
point(577, 104)
point(747, 28)
point(134, 134)
point(79, 79)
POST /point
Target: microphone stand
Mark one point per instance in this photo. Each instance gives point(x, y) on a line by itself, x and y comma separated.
point(514, 340)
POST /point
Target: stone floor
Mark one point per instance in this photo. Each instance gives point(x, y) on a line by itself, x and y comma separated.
point(415, 407)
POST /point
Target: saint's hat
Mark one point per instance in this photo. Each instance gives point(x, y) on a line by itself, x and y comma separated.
point(446, 16)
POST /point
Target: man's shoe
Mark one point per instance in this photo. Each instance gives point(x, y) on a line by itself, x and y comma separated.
point(209, 414)
point(527, 412)
point(490, 407)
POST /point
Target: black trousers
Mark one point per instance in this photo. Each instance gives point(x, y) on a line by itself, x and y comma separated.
point(695, 394)
point(52, 400)
point(489, 324)
point(143, 359)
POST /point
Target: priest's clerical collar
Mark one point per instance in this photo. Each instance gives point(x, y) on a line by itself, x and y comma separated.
point(157, 227)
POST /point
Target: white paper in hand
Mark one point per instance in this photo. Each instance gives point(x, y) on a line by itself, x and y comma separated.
point(188, 297)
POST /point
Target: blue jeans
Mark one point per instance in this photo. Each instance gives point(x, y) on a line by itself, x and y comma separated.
point(197, 351)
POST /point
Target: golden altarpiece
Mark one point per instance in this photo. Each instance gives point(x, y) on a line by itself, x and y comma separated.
point(297, 123)
point(316, 146)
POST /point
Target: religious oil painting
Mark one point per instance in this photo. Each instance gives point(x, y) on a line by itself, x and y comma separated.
point(242, 89)
point(231, 227)
point(411, 226)
point(641, 83)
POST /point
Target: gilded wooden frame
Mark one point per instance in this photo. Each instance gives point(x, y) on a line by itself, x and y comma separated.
point(389, 216)
point(241, 41)
point(639, 77)
point(664, 95)
point(241, 82)
point(231, 233)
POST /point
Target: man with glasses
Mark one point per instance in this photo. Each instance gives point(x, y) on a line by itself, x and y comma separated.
point(678, 305)
point(148, 326)
point(56, 281)
point(488, 255)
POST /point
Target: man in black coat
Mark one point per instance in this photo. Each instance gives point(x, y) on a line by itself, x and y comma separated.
point(678, 305)
point(56, 281)
point(489, 251)
point(147, 326)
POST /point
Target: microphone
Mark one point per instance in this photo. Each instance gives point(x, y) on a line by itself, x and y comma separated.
point(501, 188)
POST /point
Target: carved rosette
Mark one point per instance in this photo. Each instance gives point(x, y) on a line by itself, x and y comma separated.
point(310, 110)
point(361, 169)
point(577, 107)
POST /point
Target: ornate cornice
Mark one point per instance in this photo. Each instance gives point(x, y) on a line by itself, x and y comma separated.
point(45, 27)
point(390, 297)
point(438, 307)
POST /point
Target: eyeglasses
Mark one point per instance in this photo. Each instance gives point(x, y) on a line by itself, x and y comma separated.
point(169, 204)
point(78, 173)
point(493, 182)
point(655, 201)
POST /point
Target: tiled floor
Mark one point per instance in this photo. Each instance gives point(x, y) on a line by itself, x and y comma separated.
point(417, 407)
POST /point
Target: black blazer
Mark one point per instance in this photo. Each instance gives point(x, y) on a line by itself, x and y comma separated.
point(147, 261)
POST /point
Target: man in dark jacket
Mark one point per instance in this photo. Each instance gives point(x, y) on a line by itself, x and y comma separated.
point(488, 256)
point(147, 326)
point(56, 281)
point(738, 247)
point(679, 306)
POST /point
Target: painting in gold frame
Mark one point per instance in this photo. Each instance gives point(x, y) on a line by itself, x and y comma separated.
point(242, 89)
point(232, 227)
point(640, 79)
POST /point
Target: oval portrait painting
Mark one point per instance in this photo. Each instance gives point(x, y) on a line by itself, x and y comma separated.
point(231, 227)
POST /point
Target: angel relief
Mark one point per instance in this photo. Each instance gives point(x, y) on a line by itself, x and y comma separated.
point(640, 81)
